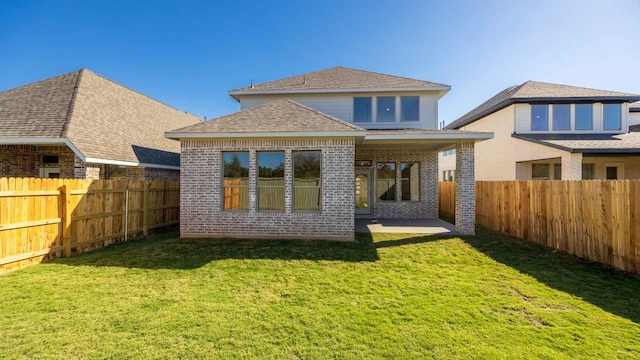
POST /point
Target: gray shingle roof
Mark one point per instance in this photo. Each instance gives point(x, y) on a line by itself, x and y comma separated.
point(588, 143)
point(339, 78)
point(634, 107)
point(532, 91)
point(277, 116)
point(103, 119)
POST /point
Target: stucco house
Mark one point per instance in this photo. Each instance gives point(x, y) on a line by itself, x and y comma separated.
point(82, 125)
point(308, 153)
point(553, 131)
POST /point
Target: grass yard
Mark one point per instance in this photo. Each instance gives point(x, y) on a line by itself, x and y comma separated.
point(387, 296)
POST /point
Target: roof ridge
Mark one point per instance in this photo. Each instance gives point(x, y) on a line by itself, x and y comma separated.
point(379, 73)
point(72, 103)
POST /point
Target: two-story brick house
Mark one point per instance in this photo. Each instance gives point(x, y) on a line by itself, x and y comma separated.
point(552, 131)
point(306, 154)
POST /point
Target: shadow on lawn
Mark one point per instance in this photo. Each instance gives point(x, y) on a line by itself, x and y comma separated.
point(612, 291)
point(169, 251)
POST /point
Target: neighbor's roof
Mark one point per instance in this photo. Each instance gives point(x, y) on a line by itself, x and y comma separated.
point(103, 120)
point(634, 107)
point(532, 91)
point(587, 143)
point(339, 79)
point(277, 118)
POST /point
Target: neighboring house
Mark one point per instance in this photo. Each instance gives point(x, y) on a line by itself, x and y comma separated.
point(551, 131)
point(308, 153)
point(82, 125)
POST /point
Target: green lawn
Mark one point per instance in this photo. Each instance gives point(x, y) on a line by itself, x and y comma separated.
point(390, 296)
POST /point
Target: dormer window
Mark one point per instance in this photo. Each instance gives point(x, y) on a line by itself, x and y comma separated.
point(539, 117)
point(386, 109)
point(612, 117)
point(584, 117)
point(561, 117)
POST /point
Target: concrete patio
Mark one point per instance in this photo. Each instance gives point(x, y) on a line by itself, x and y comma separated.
point(407, 226)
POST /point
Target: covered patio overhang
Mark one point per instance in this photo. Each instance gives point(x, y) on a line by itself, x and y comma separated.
point(402, 147)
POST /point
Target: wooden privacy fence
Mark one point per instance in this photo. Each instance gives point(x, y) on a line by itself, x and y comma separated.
point(593, 219)
point(48, 218)
point(447, 198)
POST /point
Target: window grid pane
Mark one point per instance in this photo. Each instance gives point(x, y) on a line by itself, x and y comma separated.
point(271, 180)
point(386, 109)
point(307, 180)
point(584, 117)
point(410, 185)
point(386, 181)
point(362, 109)
point(612, 117)
point(561, 117)
point(235, 183)
point(410, 108)
point(539, 117)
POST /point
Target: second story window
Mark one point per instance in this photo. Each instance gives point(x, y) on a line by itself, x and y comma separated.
point(584, 117)
point(410, 108)
point(539, 117)
point(386, 109)
point(362, 109)
point(561, 117)
point(612, 117)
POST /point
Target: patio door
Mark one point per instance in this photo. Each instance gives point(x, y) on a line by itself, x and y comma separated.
point(364, 187)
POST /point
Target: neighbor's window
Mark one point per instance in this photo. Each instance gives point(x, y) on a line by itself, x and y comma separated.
point(235, 181)
point(362, 109)
point(271, 180)
point(539, 117)
point(561, 117)
point(587, 171)
point(410, 185)
point(612, 117)
point(410, 108)
point(584, 117)
point(50, 159)
point(307, 186)
point(540, 171)
point(386, 181)
point(557, 171)
point(612, 172)
point(386, 109)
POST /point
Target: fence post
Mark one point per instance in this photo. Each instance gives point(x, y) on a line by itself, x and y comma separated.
point(145, 207)
point(65, 191)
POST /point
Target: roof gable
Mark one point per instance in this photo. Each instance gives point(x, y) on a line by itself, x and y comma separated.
point(281, 116)
point(532, 91)
point(338, 78)
point(39, 109)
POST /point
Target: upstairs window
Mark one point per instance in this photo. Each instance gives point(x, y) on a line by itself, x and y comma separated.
point(561, 117)
point(612, 117)
point(362, 109)
point(271, 180)
point(584, 117)
point(235, 181)
point(386, 109)
point(410, 108)
point(539, 117)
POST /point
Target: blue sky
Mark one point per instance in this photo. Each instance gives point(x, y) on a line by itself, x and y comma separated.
point(188, 54)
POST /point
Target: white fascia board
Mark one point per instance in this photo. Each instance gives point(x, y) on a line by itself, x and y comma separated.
point(283, 134)
point(475, 136)
point(43, 141)
point(325, 91)
point(130, 163)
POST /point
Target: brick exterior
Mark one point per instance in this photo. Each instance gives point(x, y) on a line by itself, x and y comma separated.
point(427, 206)
point(26, 160)
point(201, 194)
point(465, 189)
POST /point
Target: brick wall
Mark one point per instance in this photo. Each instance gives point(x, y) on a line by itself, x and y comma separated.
point(26, 160)
point(427, 207)
point(465, 188)
point(201, 193)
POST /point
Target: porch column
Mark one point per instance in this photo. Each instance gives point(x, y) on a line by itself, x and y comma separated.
point(572, 166)
point(465, 188)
